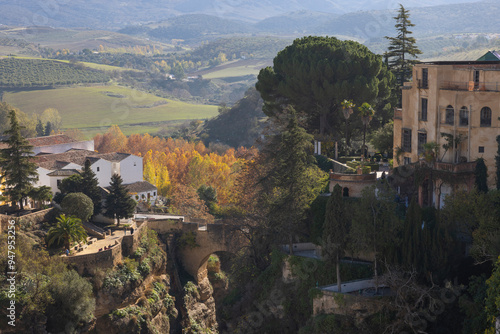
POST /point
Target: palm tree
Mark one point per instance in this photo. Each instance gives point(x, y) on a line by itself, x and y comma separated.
point(347, 106)
point(41, 194)
point(68, 229)
point(366, 112)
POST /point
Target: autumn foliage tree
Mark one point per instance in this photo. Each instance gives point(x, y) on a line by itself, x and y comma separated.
point(171, 163)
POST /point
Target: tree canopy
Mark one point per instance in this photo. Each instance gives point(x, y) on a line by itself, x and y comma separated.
point(315, 74)
point(78, 205)
point(402, 51)
point(19, 171)
point(118, 203)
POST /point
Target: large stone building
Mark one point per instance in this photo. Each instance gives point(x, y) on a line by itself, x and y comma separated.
point(460, 99)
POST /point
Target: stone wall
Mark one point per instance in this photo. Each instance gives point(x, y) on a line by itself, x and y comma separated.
point(130, 242)
point(32, 218)
point(88, 263)
point(355, 183)
point(339, 303)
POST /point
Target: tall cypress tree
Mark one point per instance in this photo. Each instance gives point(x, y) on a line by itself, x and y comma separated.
point(497, 162)
point(90, 187)
point(335, 231)
point(118, 203)
point(18, 169)
point(402, 51)
point(481, 174)
point(40, 129)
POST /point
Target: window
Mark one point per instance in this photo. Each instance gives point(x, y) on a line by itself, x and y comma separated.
point(485, 117)
point(481, 149)
point(406, 138)
point(423, 111)
point(345, 192)
point(406, 160)
point(98, 169)
point(425, 78)
point(154, 193)
point(464, 116)
point(134, 164)
point(137, 197)
point(422, 139)
point(142, 196)
point(58, 183)
point(476, 79)
point(450, 115)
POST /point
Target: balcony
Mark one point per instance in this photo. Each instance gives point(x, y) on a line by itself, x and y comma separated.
point(464, 167)
point(422, 84)
point(471, 86)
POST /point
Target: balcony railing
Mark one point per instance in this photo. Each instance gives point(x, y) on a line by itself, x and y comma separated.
point(464, 167)
point(471, 86)
point(423, 84)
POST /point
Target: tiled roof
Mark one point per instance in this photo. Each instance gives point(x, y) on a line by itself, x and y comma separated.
point(51, 140)
point(64, 172)
point(59, 160)
point(140, 187)
point(46, 141)
point(114, 157)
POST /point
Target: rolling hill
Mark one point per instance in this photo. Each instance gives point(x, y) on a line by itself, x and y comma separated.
point(116, 14)
point(94, 109)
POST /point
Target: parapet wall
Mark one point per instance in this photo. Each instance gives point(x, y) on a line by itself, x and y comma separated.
point(32, 218)
point(88, 263)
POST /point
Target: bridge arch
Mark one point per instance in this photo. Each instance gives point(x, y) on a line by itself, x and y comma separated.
point(210, 239)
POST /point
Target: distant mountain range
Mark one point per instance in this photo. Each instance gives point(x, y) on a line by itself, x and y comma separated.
point(182, 19)
point(116, 14)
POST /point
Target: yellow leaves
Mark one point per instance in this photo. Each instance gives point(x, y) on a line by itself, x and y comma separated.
point(171, 163)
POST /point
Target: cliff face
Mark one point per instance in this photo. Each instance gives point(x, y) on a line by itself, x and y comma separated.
point(199, 307)
point(139, 296)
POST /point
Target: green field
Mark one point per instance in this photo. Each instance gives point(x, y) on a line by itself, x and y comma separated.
point(95, 66)
point(94, 109)
point(235, 69)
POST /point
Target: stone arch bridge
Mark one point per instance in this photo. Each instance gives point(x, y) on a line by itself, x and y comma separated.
point(210, 238)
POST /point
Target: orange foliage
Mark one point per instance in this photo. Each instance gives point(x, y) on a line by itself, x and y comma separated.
point(173, 163)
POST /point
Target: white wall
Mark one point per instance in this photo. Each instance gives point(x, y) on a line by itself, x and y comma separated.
point(103, 171)
point(143, 196)
point(43, 179)
point(131, 169)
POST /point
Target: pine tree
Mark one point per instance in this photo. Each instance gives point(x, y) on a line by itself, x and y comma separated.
point(48, 129)
point(118, 203)
point(19, 172)
point(40, 130)
point(292, 181)
point(402, 51)
point(90, 187)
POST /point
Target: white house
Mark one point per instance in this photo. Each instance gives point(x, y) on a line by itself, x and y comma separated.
point(59, 157)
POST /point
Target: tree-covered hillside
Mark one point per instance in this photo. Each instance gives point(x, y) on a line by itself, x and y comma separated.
point(16, 72)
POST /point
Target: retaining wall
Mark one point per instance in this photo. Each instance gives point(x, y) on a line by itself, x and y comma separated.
point(33, 218)
point(88, 263)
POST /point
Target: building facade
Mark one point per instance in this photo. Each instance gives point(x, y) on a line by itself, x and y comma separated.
point(457, 106)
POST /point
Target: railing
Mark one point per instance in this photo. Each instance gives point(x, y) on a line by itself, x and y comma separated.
point(464, 167)
point(422, 84)
point(471, 86)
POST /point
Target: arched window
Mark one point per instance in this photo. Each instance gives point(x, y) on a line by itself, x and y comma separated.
point(345, 192)
point(464, 116)
point(450, 115)
point(486, 117)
